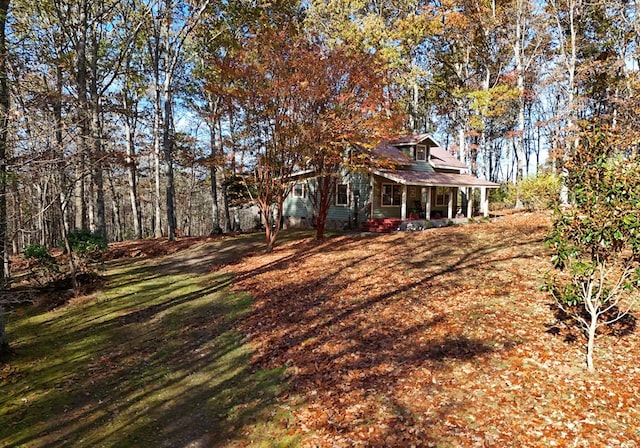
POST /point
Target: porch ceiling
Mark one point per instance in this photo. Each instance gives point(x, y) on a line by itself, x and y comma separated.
point(422, 179)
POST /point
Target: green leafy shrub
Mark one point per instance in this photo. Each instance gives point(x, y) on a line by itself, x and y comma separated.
point(596, 243)
point(87, 244)
point(38, 252)
point(538, 192)
point(43, 266)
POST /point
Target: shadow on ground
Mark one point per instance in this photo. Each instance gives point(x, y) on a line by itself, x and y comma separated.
point(154, 360)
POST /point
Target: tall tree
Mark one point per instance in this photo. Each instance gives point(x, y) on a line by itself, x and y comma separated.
point(396, 30)
point(172, 24)
point(215, 42)
point(566, 17)
point(131, 94)
point(468, 58)
point(4, 127)
point(527, 43)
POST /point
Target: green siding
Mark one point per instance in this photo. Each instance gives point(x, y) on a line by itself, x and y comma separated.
point(378, 210)
point(297, 207)
point(424, 167)
point(338, 215)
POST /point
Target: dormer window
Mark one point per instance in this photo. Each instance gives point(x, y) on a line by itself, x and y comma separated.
point(421, 153)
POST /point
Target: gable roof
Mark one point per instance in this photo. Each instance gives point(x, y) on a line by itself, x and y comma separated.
point(441, 158)
point(413, 140)
point(389, 151)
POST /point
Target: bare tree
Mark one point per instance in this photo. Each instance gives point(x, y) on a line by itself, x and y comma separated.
point(4, 126)
point(167, 38)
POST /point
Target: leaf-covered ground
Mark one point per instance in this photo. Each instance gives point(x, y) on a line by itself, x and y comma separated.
point(437, 338)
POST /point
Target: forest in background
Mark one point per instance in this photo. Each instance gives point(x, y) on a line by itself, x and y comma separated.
point(142, 118)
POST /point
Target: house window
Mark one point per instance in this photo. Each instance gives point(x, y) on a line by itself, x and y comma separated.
point(391, 195)
point(298, 191)
point(342, 194)
point(442, 196)
point(421, 153)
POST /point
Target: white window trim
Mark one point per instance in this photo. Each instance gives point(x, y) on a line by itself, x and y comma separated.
point(426, 153)
point(446, 197)
point(348, 195)
point(293, 190)
point(382, 204)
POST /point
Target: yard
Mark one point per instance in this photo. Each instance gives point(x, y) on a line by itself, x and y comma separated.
point(437, 338)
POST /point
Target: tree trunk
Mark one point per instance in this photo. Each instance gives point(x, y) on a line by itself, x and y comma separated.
point(4, 126)
point(83, 109)
point(271, 222)
point(167, 147)
point(213, 170)
point(591, 337)
point(226, 223)
point(117, 216)
point(215, 209)
point(461, 144)
point(61, 199)
point(4, 340)
point(157, 227)
point(323, 197)
point(519, 143)
point(155, 55)
point(569, 55)
point(97, 175)
point(129, 127)
point(269, 228)
point(415, 101)
point(73, 265)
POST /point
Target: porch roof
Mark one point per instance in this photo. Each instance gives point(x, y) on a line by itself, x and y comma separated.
point(434, 179)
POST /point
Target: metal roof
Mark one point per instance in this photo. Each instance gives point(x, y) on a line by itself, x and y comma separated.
point(423, 179)
point(441, 158)
point(389, 151)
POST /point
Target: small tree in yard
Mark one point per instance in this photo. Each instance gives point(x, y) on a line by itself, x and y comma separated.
point(348, 110)
point(267, 85)
point(596, 243)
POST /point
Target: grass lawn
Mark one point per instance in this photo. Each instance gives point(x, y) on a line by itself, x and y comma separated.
point(155, 359)
point(438, 338)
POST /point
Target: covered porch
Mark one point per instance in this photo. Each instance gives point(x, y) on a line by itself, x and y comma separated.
point(412, 195)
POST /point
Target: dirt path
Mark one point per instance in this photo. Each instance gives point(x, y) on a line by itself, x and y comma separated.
point(187, 255)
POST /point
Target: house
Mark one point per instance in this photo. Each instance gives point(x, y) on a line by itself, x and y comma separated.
point(414, 179)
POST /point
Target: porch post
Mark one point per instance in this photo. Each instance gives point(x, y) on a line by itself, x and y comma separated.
point(469, 202)
point(423, 201)
point(450, 204)
point(427, 207)
point(403, 207)
point(484, 201)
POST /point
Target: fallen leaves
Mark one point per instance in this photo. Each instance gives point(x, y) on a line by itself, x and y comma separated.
point(433, 338)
